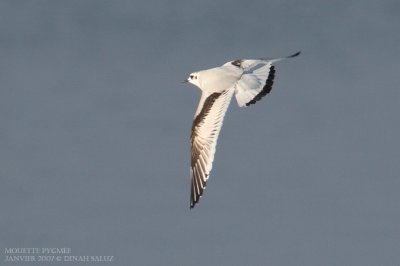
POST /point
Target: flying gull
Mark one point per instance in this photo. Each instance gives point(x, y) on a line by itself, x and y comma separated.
point(250, 80)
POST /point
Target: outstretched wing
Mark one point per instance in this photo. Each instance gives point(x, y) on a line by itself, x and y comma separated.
point(255, 83)
point(205, 130)
point(257, 79)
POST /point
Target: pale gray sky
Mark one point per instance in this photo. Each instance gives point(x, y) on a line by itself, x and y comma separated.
point(95, 129)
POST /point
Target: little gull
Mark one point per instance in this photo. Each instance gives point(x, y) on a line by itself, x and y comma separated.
point(249, 80)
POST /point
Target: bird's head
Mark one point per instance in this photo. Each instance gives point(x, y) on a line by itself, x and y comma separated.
point(193, 79)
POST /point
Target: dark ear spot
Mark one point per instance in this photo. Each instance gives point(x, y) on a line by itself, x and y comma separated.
point(237, 63)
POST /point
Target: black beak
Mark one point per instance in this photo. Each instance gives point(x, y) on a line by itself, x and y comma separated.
point(185, 81)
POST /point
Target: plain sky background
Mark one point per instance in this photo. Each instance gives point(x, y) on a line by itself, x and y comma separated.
point(94, 132)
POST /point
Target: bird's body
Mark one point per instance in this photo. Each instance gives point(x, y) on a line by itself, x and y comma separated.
point(223, 76)
point(249, 80)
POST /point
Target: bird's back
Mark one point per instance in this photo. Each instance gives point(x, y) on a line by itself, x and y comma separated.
point(219, 79)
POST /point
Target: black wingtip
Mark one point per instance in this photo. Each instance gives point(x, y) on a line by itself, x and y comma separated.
point(267, 87)
point(294, 55)
point(192, 203)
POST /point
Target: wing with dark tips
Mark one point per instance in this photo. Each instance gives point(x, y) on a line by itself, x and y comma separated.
point(205, 130)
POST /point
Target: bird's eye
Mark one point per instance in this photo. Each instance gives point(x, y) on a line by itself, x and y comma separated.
point(191, 76)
